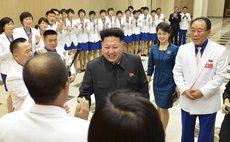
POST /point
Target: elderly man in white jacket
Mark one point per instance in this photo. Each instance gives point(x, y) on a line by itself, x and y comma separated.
point(21, 51)
point(199, 72)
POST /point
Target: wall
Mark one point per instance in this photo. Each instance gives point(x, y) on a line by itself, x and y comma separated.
point(216, 8)
point(119, 4)
point(13, 8)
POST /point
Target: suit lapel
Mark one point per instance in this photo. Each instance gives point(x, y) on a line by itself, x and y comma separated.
point(204, 59)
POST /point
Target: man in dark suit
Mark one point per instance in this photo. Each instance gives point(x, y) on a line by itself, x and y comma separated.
point(113, 70)
point(175, 19)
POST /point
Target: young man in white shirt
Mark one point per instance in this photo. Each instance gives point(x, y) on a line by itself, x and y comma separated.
point(184, 25)
point(21, 51)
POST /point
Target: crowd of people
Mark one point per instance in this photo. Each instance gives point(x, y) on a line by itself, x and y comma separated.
point(42, 61)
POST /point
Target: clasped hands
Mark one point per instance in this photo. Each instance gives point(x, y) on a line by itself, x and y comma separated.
point(193, 94)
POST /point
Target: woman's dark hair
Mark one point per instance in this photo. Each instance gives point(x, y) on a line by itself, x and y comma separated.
point(42, 19)
point(124, 116)
point(102, 11)
point(130, 7)
point(81, 10)
point(119, 12)
point(25, 15)
point(110, 9)
point(164, 26)
point(92, 13)
point(63, 11)
point(3, 22)
point(127, 11)
point(70, 10)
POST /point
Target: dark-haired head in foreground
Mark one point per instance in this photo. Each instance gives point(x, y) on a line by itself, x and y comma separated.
point(126, 117)
point(46, 79)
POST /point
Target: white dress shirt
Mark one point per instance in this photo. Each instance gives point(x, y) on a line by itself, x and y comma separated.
point(42, 123)
point(16, 85)
point(185, 20)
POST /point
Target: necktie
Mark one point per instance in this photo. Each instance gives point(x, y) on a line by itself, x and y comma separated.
point(198, 55)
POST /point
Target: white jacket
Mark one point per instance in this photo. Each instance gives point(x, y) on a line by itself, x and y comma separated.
point(5, 54)
point(208, 76)
point(16, 85)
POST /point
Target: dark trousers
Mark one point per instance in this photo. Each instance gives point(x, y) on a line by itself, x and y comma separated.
point(174, 38)
point(4, 80)
point(207, 125)
point(225, 129)
point(182, 37)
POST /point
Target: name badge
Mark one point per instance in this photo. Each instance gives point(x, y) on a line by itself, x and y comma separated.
point(209, 64)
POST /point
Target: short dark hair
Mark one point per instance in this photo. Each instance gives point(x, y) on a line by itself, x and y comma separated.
point(70, 10)
point(126, 117)
point(205, 19)
point(42, 19)
point(185, 7)
point(130, 7)
point(24, 15)
point(14, 44)
point(63, 11)
point(135, 11)
point(3, 22)
point(153, 11)
point(127, 10)
point(81, 10)
point(164, 26)
point(119, 12)
point(102, 11)
point(45, 76)
point(55, 10)
point(49, 32)
point(50, 12)
point(92, 13)
point(112, 32)
point(110, 9)
point(158, 8)
point(145, 8)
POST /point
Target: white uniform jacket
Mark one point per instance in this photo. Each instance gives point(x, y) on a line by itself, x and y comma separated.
point(21, 33)
point(5, 54)
point(208, 76)
point(16, 85)
point(42, 123)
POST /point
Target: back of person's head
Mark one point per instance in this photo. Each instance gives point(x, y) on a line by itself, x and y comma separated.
point(205, 19)
point(124, 116)
point(25, 15)
point(45, 76)
point(14, 44)
point(3, 22)
point(112, 32)
point(49, 32)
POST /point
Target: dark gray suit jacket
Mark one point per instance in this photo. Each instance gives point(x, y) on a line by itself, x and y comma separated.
point(102, 78)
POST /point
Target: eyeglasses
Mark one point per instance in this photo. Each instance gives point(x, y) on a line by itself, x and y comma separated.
point(197, 30)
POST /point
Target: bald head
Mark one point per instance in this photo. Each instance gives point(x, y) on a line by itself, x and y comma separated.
point(45, 76)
